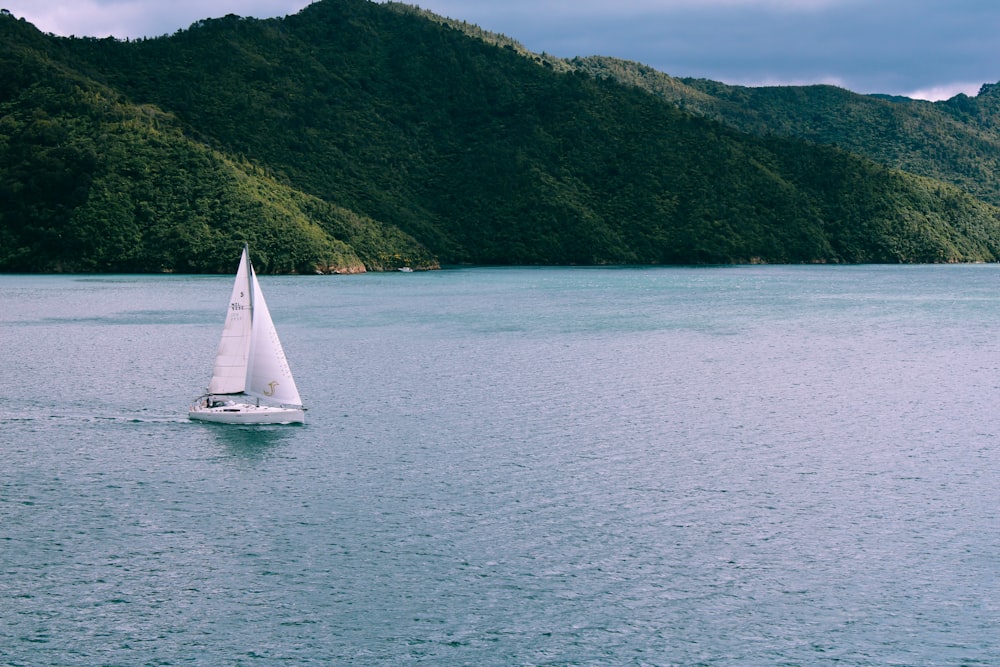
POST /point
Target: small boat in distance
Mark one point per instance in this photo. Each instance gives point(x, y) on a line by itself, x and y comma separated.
point(250, 366)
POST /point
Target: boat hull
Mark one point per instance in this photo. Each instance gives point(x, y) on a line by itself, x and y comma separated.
point(247, 413)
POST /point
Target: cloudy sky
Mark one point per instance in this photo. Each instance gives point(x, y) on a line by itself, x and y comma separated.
point(930, 49)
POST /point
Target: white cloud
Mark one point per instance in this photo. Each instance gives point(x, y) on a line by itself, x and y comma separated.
point(137, 18)
point(945, 92)
point(931, 94)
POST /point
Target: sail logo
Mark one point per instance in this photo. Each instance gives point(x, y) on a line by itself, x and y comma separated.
point(271, 388)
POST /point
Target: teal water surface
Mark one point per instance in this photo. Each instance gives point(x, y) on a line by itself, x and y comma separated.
point(670, 466)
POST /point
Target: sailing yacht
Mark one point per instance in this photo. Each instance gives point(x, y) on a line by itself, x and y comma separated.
point(251, 382)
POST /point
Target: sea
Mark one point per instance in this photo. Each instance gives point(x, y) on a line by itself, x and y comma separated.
point(755, 465)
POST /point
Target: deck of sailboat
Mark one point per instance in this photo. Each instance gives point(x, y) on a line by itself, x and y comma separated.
point(246, 413)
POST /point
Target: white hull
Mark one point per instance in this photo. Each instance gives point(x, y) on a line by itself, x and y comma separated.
point(247, 413)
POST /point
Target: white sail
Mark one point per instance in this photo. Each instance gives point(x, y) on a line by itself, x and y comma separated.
point(230, 371)
point(268, 376)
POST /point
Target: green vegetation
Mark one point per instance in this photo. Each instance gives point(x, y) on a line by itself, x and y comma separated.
point(956, 141)
point(92, 182)
point(360, 135)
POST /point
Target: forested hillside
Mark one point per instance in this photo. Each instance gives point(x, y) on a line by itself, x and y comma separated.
point(359, 135)
point(955, 140)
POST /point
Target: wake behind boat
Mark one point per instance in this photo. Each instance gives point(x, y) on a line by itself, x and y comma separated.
point(251, 382)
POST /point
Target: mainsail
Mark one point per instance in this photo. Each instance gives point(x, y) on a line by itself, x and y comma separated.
point(229, 375)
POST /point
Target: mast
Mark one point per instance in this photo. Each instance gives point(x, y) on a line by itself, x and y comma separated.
point(250, 281)
point(252, 343)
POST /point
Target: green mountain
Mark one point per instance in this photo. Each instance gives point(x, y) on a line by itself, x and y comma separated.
point(356, 134)
point(956, 141)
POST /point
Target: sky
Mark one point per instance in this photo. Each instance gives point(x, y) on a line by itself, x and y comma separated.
point(927, 49)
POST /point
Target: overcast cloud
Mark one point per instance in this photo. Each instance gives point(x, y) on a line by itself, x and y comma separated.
point(922, 48)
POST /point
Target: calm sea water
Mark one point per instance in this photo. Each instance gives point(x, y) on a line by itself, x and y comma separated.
point(691, 466)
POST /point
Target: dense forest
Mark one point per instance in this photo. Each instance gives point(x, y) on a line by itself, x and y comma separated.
point(956, 140)
point(360, 136)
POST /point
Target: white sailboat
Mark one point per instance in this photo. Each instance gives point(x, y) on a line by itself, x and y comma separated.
point(251, 382)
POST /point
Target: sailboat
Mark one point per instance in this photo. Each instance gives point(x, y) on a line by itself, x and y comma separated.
point(251, 382)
